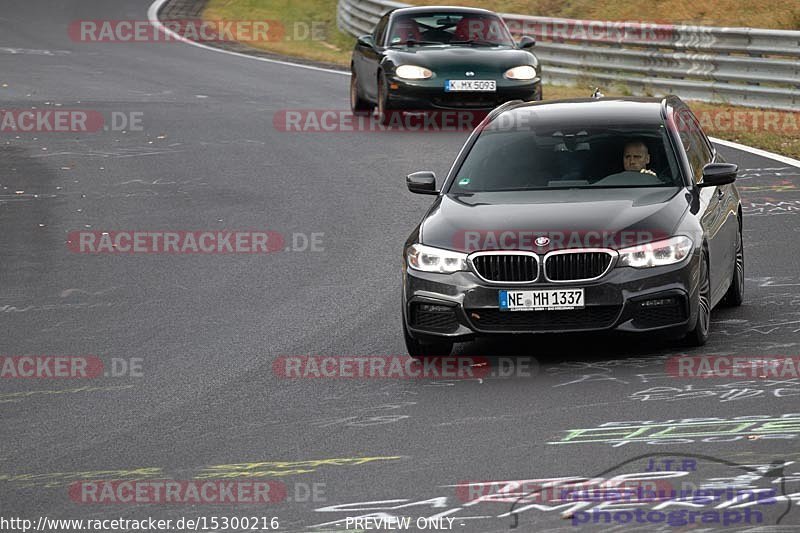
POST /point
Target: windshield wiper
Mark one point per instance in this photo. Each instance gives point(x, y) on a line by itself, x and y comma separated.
point(481, 42)
point(414, 42)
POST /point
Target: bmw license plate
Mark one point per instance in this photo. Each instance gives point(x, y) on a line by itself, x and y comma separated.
point(481, 86)
point(545, 300)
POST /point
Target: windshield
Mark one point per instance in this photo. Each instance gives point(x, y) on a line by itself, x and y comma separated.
point(553, 158)
point(473, 29)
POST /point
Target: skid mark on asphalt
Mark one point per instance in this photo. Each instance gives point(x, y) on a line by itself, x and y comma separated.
point(118, 154)
point(72, 295)
point(14, 397)
point(33, 52)
point(770, 281)
point(769, 327)
point(25, 308)
point(69, 292)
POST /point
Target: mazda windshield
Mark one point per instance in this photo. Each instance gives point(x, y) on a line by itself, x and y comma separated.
point(467, 28)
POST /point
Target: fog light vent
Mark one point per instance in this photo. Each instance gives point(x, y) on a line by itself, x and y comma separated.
point(660, 302)
point(433, 317)
point(431, 308)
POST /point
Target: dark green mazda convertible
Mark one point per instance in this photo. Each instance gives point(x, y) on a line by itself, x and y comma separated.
point(423, 58)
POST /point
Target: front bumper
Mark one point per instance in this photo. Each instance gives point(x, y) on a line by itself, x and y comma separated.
point(461, 306)
point(406, 95)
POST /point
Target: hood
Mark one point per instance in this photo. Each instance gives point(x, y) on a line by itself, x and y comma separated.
point(459, 59)
point(569, 218)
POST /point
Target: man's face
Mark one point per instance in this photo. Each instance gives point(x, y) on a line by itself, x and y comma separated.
point(636, 157)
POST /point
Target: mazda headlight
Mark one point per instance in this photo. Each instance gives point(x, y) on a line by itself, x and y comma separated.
point(429, 259)
point(525, 72)
point(658, 253)
point(413, 72)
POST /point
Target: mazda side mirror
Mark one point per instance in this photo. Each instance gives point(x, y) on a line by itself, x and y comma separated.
point(422, 182)
point(716, 174)
point(366, 40)
point(526, 42)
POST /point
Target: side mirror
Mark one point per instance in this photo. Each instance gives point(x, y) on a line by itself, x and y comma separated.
point(366, 40)
point(526, 42)
point(716, 174)
point(422, 182)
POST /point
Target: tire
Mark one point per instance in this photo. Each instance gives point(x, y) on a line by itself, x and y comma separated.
point(535, 96)
point(418, 349)
point(358, 105)
point(735, 295)
point(698, 336)
point(383, 108)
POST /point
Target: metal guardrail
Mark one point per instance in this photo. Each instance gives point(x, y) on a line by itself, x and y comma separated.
point(743, 66)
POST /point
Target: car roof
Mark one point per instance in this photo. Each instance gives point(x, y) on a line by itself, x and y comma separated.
point(440, 9)
point(610, 110)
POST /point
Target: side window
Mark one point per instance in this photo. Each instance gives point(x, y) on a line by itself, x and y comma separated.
point(701, 139)
point(694, 143)
point(380, 30)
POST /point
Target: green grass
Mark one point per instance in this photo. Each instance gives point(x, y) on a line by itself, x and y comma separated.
point(296, 17)
point(333, 46)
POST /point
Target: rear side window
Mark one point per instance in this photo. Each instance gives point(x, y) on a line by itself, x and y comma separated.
point(693, 141)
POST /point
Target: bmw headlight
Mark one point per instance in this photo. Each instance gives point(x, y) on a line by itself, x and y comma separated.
point(413, 72)
point(429, 259)
point(525, 72)
point(658, 253)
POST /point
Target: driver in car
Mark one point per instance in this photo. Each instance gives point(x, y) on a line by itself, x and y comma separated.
point(636, 157)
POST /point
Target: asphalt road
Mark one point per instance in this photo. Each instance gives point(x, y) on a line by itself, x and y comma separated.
point(207, 328)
